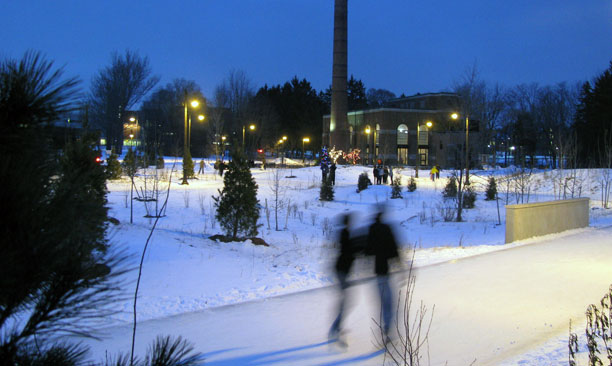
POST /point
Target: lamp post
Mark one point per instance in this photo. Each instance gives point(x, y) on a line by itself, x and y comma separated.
point(367, 131)
point(278, 150)
point(283, 157)
point(304, 140)
point(467, 146)
point(428, 124)
point(186, 152)
point(252, 128)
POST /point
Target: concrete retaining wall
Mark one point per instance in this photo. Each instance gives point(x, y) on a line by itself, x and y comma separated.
point(535, 219)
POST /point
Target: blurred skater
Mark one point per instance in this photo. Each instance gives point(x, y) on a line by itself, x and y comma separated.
point(382, 245)
point(346, 257)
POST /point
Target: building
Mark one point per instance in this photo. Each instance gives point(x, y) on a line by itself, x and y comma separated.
point(131, 129)
point(417, 130)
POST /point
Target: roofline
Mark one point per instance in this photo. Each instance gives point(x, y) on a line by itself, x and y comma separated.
point(419, 95)
point(401, 110)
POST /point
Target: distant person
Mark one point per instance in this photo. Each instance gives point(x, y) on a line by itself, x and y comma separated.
point(324, 171)
point(380, 174)
point(346, 257)
point(385, 174)
point(382, 245)
point(391, 174)
point(433, 173)
point(222, 167)
point(201, 171)
point(375, 174)
point(332, 174)
point(438, 169)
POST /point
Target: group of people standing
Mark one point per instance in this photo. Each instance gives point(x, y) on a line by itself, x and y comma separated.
point(381, 244)
point(382, 174)
point(329, 172)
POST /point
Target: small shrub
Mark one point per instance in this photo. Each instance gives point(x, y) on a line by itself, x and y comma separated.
point(450, 190)
point(188, 166)
point(327, 191)
point(130, 163)
point(159, 164)
point(396, 188)
point(113, 167)
point(491, 192)
point(412, 186)
point(469, 197)
point(362, 182)
point(447, 211)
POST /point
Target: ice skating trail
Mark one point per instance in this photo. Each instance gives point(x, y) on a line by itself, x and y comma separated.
point(488, 308)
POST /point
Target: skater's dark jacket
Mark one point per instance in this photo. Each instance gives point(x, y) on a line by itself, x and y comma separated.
point(382, 245)
point(347, 253)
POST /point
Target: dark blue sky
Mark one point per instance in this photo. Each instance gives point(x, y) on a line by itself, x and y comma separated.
point(400, 45)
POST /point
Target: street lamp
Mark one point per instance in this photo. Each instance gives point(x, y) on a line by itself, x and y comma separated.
point(367, 131)
point(252, 128)
point(186, 152)
point(304, 140)
point(428, 124)
point(467, 146)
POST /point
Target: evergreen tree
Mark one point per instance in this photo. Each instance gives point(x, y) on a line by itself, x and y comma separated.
point(130, 163)
point(469, 196)
point(327, 191)
point(237, 204)
point(56, 270)
point(159, 164)
point(450, 190)
point(396, 188)
point(592, 124)
point(491, 192)
point(363, 182)
point(113, 167)
point(412, 186)
point(188, 166)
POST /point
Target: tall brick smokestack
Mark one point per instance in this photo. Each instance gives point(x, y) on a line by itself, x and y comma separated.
point(338, 125)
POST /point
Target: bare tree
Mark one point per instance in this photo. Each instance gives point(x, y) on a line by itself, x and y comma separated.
point(218, 114)
point(413, 325)
point(118, 88)
point(278, 192)
point(163, 114)
point(238, 90)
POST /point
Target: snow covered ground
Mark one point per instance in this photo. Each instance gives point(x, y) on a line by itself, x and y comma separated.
point(186, 272)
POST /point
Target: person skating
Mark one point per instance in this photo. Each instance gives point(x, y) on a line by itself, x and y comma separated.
point(344, 262)
point(382, 245)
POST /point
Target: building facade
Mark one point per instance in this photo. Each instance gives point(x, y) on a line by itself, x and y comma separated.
point(418, 130)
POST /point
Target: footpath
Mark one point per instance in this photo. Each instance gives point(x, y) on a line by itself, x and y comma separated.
point(488, 308)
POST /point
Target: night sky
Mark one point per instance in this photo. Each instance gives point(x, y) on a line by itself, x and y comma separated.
point(399, 45)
